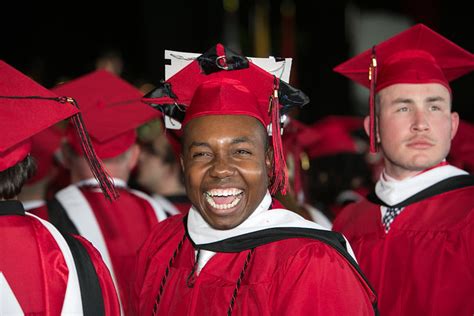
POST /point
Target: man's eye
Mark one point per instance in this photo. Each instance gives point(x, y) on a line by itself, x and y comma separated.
point(243, 152)
point(201, 154)
point(403, 109)
point(435, 108)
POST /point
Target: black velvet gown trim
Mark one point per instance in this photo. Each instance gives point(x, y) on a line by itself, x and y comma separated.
point(11, 207)
point(446, 185)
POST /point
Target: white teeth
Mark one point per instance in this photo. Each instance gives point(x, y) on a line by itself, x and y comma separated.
point(223, 192)
point(234, 202)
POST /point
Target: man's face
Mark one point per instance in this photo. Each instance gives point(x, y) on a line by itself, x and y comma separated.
point(226, 167)
point(415, 127)
point(152, 168)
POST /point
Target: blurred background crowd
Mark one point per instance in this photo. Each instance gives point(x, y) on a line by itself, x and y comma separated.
point(326, 146)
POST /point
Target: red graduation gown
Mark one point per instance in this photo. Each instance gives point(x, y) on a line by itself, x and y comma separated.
point(424, 265)
point(124, 225)
point(295, 276)
point(35, 269)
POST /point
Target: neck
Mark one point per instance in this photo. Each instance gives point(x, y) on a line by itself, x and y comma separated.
point(400, 173)
point(36, 191)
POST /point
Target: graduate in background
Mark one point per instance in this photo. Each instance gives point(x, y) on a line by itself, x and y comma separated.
point(112, 111)
point(159, 171)
point(234, 252)
point(43, 271)
point(414, 235)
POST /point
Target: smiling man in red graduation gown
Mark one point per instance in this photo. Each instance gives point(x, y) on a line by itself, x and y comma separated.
point(414, 235)
point(235, 252)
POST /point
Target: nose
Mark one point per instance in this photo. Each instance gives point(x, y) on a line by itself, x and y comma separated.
point(420, 122)
point(221, 168)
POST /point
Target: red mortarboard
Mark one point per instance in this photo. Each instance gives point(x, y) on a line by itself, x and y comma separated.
point(222, 82)
point(111, 108)
point(328, 136)
point(43, 147)
point(417, 55)
point(27, 108)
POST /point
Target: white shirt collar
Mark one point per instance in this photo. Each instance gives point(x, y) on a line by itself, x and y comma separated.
point(32, 204)
point(262, 218)
point(392, 191)
point(119, 183)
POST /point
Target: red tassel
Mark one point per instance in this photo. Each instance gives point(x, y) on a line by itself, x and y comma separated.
point(279, 173)
point(95, 163)
point(372, 117)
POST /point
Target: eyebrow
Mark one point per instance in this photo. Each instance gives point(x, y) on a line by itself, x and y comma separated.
point(199, 144)
point(242, 139)
point(435, 99)
point(410, 100)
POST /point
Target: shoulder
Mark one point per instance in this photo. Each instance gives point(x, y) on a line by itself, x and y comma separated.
point(354, 214)
point(164, 233)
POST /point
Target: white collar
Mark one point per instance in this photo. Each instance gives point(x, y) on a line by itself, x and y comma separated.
point(262, 218)
point(119, 183)
point(392, 191)
point(32, 204)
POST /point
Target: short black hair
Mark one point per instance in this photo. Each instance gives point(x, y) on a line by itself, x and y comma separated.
point(13, 178)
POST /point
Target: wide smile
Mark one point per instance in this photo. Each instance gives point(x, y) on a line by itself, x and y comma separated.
point(223, 199)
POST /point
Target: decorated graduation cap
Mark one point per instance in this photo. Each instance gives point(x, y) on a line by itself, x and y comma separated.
point(26, 109)
point(418, 55)
point(222, 82)
point(112, 110)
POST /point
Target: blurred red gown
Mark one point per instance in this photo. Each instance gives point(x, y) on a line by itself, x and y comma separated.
point(117, 229)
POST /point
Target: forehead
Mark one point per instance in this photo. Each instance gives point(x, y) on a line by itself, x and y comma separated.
point(412, 90)
point(223, 126)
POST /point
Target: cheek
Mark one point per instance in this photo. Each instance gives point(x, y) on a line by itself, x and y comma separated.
point(193, 176)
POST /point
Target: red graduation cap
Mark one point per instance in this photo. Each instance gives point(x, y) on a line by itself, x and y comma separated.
point(330, 136)
point(417, 55)
point(27, 108)
point(111, 108)
point(222, 82)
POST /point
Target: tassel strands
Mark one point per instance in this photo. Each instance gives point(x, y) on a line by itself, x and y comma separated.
point(372, 110)
point(279, 177)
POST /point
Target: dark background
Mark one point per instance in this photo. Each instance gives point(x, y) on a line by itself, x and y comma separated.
point(51, 41)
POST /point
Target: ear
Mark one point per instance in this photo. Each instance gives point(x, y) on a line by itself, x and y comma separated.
point(66, 156)
point(134, 155)
point(367, 125)
point(181, 162)
point(454, 124)
point(367, 128)
point(269, 160)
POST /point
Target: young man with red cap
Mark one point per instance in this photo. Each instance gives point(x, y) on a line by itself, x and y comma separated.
point(112, 110)
point(234, 253)
point(43, 271)
point(414, 235)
